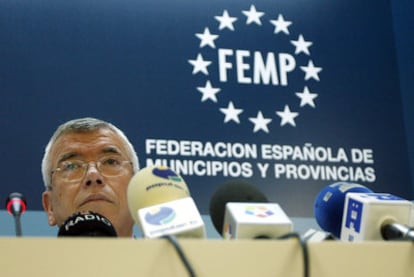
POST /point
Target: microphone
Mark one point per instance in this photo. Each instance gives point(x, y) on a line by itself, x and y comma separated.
point(329, 205)
point(239, 210)
point(313, 235)
point(87, 224)
point(16, 206)
point(160, 203)
point(376, 216)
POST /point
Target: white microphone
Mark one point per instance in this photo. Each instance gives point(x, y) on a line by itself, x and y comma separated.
point(255, 220)
point(160, 203)
point(240, 211)
point(376, 216)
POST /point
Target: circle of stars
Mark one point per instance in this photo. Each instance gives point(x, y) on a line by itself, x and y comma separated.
point(231, 112)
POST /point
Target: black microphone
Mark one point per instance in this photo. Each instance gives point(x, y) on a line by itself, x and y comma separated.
point(240, 211)
point(87, 224)
point(16, 206)
point(232, 191)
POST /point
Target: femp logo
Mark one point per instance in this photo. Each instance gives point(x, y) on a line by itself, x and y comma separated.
point(255, 64)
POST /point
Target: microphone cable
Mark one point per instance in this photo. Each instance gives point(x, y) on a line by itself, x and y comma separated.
point(181, 254)
point(302, 243)
point(304, 247)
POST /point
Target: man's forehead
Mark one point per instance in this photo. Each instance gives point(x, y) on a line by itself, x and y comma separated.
point(95, 142)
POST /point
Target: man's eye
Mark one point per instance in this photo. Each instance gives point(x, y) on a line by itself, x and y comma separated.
point(110, 162)
point(70, 166)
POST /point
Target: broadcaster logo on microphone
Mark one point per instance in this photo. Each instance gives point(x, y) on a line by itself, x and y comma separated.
point(166, 173)
point(258, 211)
point(160, 216)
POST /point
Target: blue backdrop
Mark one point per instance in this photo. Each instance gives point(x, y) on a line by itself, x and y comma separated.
point(310, 90)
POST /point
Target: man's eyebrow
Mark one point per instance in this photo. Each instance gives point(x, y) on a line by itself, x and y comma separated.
point(111, 149)
point(106, 150)
point(67, 156)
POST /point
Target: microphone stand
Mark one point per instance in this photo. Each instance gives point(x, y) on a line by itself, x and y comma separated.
point(16, 206)
point(18, 226)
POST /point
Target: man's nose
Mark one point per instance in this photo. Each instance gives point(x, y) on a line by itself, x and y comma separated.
point(92, 175)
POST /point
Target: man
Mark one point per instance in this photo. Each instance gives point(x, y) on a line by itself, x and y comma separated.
point(87, 166)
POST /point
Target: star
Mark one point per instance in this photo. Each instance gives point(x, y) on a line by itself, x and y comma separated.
point(287, 116)
point(301, 45)
point(306, 97)
point(199, 65)
point(226, 21)
point(208, 92)
point(260, 123)
point(281, 25)
point(207, 38)
point(231, 113)
point(311, 71)
point(253, 15)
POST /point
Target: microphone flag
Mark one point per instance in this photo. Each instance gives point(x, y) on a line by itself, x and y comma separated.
point(365, 214)
point(179, 217)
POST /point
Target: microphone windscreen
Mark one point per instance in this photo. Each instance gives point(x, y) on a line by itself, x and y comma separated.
point(154, 185)
point(329, 205)
point(232, 191)
point(87, 224)
point(16, 204)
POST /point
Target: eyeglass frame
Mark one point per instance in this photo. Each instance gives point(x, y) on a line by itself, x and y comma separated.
point(85, 166)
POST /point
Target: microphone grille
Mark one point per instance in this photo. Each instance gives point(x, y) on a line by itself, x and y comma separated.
point(329, 205)
point(16, 203)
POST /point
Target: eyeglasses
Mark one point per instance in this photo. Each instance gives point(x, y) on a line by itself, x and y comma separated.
point(75, 170)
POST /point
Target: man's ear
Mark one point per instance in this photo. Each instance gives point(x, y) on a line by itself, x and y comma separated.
point(48, 207)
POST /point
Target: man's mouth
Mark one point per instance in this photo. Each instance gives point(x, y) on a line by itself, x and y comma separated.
point(94, 198)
